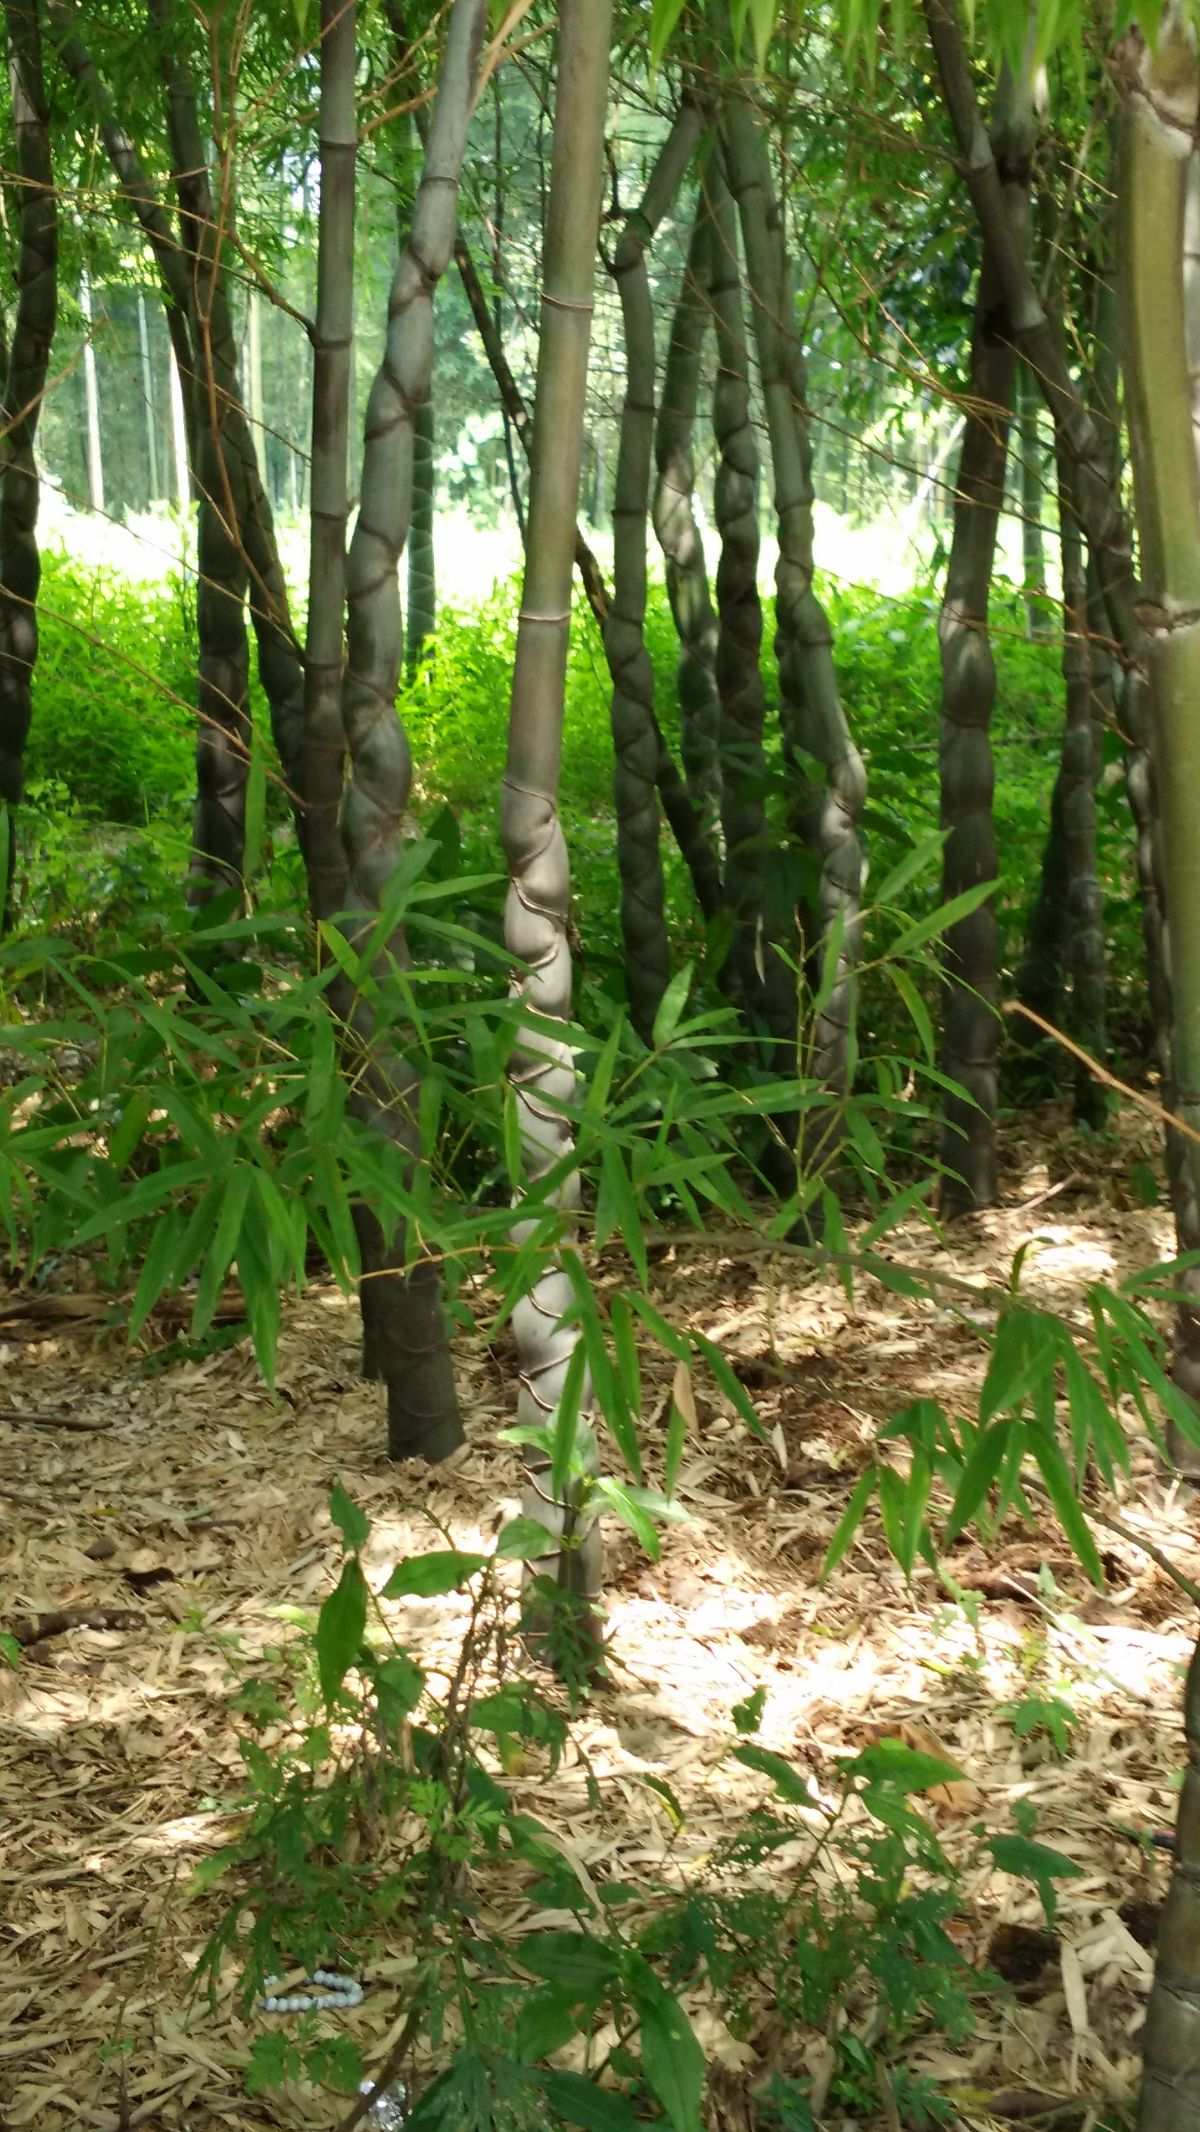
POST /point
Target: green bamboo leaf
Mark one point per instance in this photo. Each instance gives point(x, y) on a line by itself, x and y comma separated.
point(918, 860)
point(850, 1520)
point(1035, 1862)
point(625, 1350)
point(234, 1195)
point(156, 1277)
point(918, 1012)
point(565, 1426)
point(670, 1007)
point(524, 1539)
point(939, 921)
point(1069, 1510)
point(143, 1198)
point(664, 16)
point(600, 1085)
point(903, 1768)
point(574, 1961)
point(762, 26)
point(577, 2100)
point(675, 1343)
point(340, 1628)
point(978, 1475)
point(353, 1523)
point(514, 1156)
point(431, 1576)
point(631, 1513)
point(617, 1212)
point(671, 2057)
point(787, 1781)
point(731, 1384)
point(546, 2021)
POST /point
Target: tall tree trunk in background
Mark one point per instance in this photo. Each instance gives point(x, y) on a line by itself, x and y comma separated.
point(1033, 493)
point(1185, 1200)
point(970, 1027)
point(510, 455)
point(35, 215)
point(695, 847)
point(180, 431)
point(761, 980)
point(542, 1071)
point(93, 447)
point(202, 345)
point(1076, 783)
point(155, 488)
point(223, 729)
point(679, 533)
point(1161, 106)
point(422, 569)
point(333, 356)
point(635, 743)
point(254, 374)
point(240, 519)
point(404, 1333)
point(814, 723)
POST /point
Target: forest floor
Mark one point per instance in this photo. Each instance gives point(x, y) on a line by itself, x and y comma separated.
point(195, 1504)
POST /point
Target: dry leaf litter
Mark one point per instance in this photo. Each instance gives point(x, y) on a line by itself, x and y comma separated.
point(186, 1506)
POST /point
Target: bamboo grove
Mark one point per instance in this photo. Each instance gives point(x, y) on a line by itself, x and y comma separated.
point(682, 200)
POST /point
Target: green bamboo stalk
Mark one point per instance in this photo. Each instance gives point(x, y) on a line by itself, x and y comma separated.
point(678, 530)
point(1033, 488)
point(1075, 793)
point(970, 1026)
point(404, 1334)
point(422, 569)
point(1161, 108)
point(814, 724)
point(324, 748)
point(695, 847)
point(232, 496)
point(36, 216)
point(762, 983)
point(542, 1073)
point(635, 741)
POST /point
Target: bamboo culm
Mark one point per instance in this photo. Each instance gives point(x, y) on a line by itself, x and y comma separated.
point(542, 1072)
point(695, 846)
point(232, 495)
point(1075, 790)
point(761, 982)
point(404, 1333)
point(635, 740)
point(422, 567)
point(678, 529)
point(36, 216)
point(324, 747)
point(970, 1028)
point(1160, 109)
point(813, 720)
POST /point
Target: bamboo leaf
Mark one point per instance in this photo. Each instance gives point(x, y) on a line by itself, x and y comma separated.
point(787, 1781)
point(904, 1768)
point(850, 1520)
point(1069, 1510)
point(671, 2057)
point(353, 1523)
point(978, 1475)
point(431, 1576)
point(340, 1628)
point(664, 16)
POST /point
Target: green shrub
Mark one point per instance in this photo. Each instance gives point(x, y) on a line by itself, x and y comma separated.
point(114, 692)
